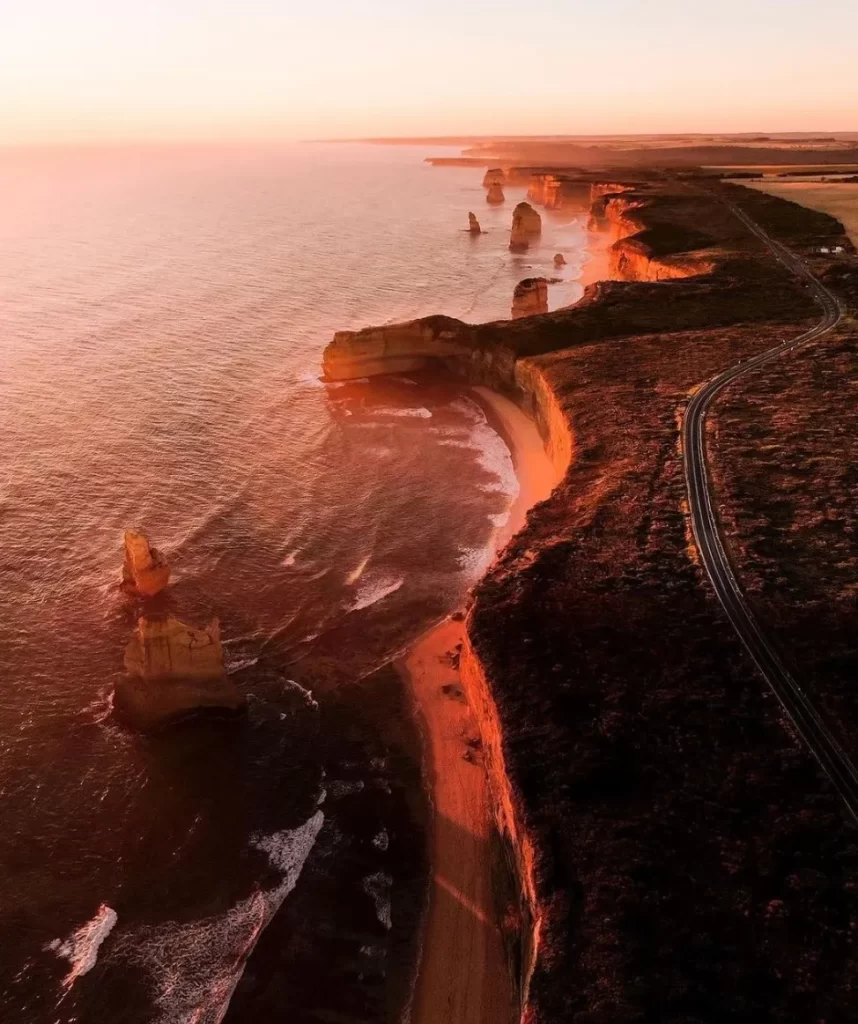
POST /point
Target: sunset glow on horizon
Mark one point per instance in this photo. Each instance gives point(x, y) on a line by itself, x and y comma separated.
point(220, 69)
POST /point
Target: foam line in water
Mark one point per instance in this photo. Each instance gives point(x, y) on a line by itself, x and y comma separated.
point(195, 967)
point(375, 590)
point(81, 947)
point(422, 413)
point(356, 574)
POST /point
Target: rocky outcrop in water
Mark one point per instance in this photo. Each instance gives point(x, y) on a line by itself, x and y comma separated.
point(559, 260)
point(495, 195)
point(526, 226)
point(174, 671)
point(474, 224)
point(530, 297)
point(145, 570)
point(494, 176)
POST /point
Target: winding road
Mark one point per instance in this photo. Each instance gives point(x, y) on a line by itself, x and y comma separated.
point(805, 718)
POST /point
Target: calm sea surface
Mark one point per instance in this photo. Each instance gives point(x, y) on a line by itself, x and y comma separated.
point(162, 317)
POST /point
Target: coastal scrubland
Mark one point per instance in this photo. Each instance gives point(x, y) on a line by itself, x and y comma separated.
point(692, 864)
point(682, 857)
point(783, 442)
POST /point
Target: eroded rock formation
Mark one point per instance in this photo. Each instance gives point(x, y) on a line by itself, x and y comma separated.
point(640, 250)
point(474, 224)
point(526, 226)
point(144, 570)
point(494, 176)
point(559, 260)
point(495, 195)
point(530, 297)
point(174, 670)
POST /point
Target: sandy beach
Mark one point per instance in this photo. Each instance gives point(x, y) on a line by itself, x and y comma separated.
point(463, 976)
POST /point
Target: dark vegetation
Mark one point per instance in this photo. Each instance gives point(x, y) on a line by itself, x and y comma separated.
point(693, 863)
point(784, 447)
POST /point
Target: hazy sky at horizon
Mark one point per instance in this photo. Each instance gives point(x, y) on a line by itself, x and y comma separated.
point(95, 69)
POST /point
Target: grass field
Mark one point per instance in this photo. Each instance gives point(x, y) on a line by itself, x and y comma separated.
point(840, 200)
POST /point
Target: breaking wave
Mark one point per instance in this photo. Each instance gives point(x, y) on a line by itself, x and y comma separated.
point(81, 947)
point(375, 590)
point(196, 966)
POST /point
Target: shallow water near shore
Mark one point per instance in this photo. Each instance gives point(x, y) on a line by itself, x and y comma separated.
point(162, 320)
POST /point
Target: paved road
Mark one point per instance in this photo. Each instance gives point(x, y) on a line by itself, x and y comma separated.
point(805, 718)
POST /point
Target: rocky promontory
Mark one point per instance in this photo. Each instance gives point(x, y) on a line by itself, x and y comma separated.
point(494, 176)
point(144, 571)
point(174, 671)
point(530, 297)
point(526, 226)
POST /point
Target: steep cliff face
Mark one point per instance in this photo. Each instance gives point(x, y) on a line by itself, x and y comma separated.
point(174, 670)
point(633, 260)
point(526, 226)
point(393, 348)
point(537, 397)
point(620, 214)
point(613, 214)
point(530, 297)
point(495, 196)
point(556, 191)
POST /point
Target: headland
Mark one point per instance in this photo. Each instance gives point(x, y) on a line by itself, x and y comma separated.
point(678, 854)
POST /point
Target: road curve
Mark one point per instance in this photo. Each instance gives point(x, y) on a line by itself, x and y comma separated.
point(805, 718)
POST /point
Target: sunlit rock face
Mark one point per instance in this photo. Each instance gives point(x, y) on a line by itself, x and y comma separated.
point(632, 260)
point(530, 297)
point(495, 195)
point(174, 670)
point(526, 226)
point(474, 224)
point(494, 176)
point(144, 570)
point(391, 348)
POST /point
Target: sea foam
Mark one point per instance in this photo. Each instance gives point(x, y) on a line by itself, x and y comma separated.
point(374, 590)
point(195, 967)
point(81, 947)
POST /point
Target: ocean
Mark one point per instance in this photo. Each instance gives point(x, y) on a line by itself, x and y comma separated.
point(163, 311)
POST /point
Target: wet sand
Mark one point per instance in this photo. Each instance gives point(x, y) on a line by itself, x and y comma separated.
point(463, 976)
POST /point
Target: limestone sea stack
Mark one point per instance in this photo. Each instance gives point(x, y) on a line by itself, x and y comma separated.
point(526, 225)
point(494, 176)
point(495, 195)
point(144, 570)
point(174, 671)
point(530, 297)
point(474, 224)
point(559, 260)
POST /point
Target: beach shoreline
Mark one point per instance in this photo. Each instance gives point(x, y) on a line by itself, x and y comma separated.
point(464, 975)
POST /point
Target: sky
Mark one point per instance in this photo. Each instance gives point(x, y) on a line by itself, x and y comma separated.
point(81, 70)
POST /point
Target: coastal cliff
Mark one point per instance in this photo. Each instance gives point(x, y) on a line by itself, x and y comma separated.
point(642, 250)
point(557, 191)
point(594, 655)
point(530, 297)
